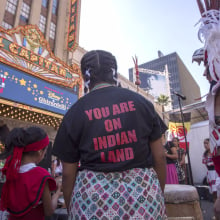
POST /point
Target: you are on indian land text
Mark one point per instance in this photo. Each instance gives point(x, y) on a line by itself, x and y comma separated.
point(119, 138)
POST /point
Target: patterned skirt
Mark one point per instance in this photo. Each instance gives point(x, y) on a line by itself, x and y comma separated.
point(211, 180)
point(132, 194)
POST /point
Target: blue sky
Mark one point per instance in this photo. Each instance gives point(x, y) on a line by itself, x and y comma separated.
point(142, 27)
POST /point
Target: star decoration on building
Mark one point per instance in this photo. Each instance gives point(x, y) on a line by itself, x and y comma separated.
point(22, 82)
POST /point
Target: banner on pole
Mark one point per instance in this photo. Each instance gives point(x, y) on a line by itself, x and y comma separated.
point(176, 128)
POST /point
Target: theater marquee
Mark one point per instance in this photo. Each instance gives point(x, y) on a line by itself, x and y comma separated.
point(26, 49)
point(33, 79)
point(19, 87)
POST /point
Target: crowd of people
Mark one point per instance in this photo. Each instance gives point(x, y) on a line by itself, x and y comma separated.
point(111, 151)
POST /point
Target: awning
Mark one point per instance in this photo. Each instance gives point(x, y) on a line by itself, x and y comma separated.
point(198, 112)
point(22, 112)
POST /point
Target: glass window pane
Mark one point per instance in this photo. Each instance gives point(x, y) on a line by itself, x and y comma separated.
point(25, 12)
point(11, 6)
point(52, 30)
point(6, 25)
point(54, 6)
point(42, 23)
point(45, 3)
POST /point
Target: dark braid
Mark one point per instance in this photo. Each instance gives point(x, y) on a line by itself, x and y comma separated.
point(206, 151)
point(21, 137)
point(4, 130)
point(99, 66)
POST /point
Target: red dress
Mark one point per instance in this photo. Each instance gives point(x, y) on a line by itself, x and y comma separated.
point(25, 194)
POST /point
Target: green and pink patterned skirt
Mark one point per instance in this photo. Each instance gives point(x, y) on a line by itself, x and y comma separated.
point(130, 194)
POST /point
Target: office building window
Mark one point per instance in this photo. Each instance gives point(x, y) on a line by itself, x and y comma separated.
point(25, 12)
point(6, 25)
point(54, 7)
point(52, 30)
point(45, 3)
point(11, 6)
point(42, 23)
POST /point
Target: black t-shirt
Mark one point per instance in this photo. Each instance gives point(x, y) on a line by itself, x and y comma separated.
point(108, 129)
point(168, 147)
point(163, 126)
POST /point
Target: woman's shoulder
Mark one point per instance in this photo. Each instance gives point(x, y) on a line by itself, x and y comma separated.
point(45, 175)
point(170, 144)
point(181, 150)
point(54, 161)
point(40, 171)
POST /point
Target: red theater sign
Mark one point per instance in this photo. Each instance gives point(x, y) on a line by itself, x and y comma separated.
point(26, 49)
point(73, 24)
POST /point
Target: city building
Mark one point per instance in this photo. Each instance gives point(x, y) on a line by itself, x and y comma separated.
point(125, 83)
point(58, 20)
point(167, 75)
point(40, 75)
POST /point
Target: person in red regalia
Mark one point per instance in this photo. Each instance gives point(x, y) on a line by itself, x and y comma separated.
point(209, 34)
point(26, 193)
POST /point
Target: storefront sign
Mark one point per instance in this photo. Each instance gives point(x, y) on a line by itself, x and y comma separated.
point(22, 88)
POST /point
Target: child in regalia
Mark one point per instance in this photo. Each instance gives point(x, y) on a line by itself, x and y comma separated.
point(26, 193)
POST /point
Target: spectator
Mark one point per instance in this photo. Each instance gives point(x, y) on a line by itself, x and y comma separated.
point(211, 173)
point(115, 134)
point(57, 168)
point(180, 163)
point(171, 158)
point(26, 192)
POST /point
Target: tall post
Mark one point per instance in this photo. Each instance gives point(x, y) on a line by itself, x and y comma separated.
point(137, 82)
point(189, 168)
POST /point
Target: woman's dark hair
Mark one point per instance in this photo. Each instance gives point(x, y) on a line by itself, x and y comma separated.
point(21, 137)
point(206, 151)
point(176, 139)
point(58, 162)
point(99, 66)
point(206, 139)
point(4, 131)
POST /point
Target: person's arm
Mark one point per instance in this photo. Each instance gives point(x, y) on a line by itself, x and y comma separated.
point(68, 180)
point(53, 168)
point(217, 207)
point(159, 161)
point(182, 162)
point(217, 202)
point(174, 154)
point(50, 203)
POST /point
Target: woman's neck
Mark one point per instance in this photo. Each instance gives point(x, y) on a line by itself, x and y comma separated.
point(101, 85)
point(26, 160)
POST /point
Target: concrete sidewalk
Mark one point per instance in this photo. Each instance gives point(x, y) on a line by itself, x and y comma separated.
point(206, 202)
point(207, 207)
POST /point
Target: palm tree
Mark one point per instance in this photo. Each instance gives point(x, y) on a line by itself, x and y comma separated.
point(164, 101)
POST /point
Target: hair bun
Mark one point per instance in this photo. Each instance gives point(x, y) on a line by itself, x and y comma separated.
point(102, 67)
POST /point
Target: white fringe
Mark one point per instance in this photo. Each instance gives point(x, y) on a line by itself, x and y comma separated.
point(209, 33)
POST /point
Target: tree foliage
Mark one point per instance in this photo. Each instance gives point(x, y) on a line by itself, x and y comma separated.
point(163, 100)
